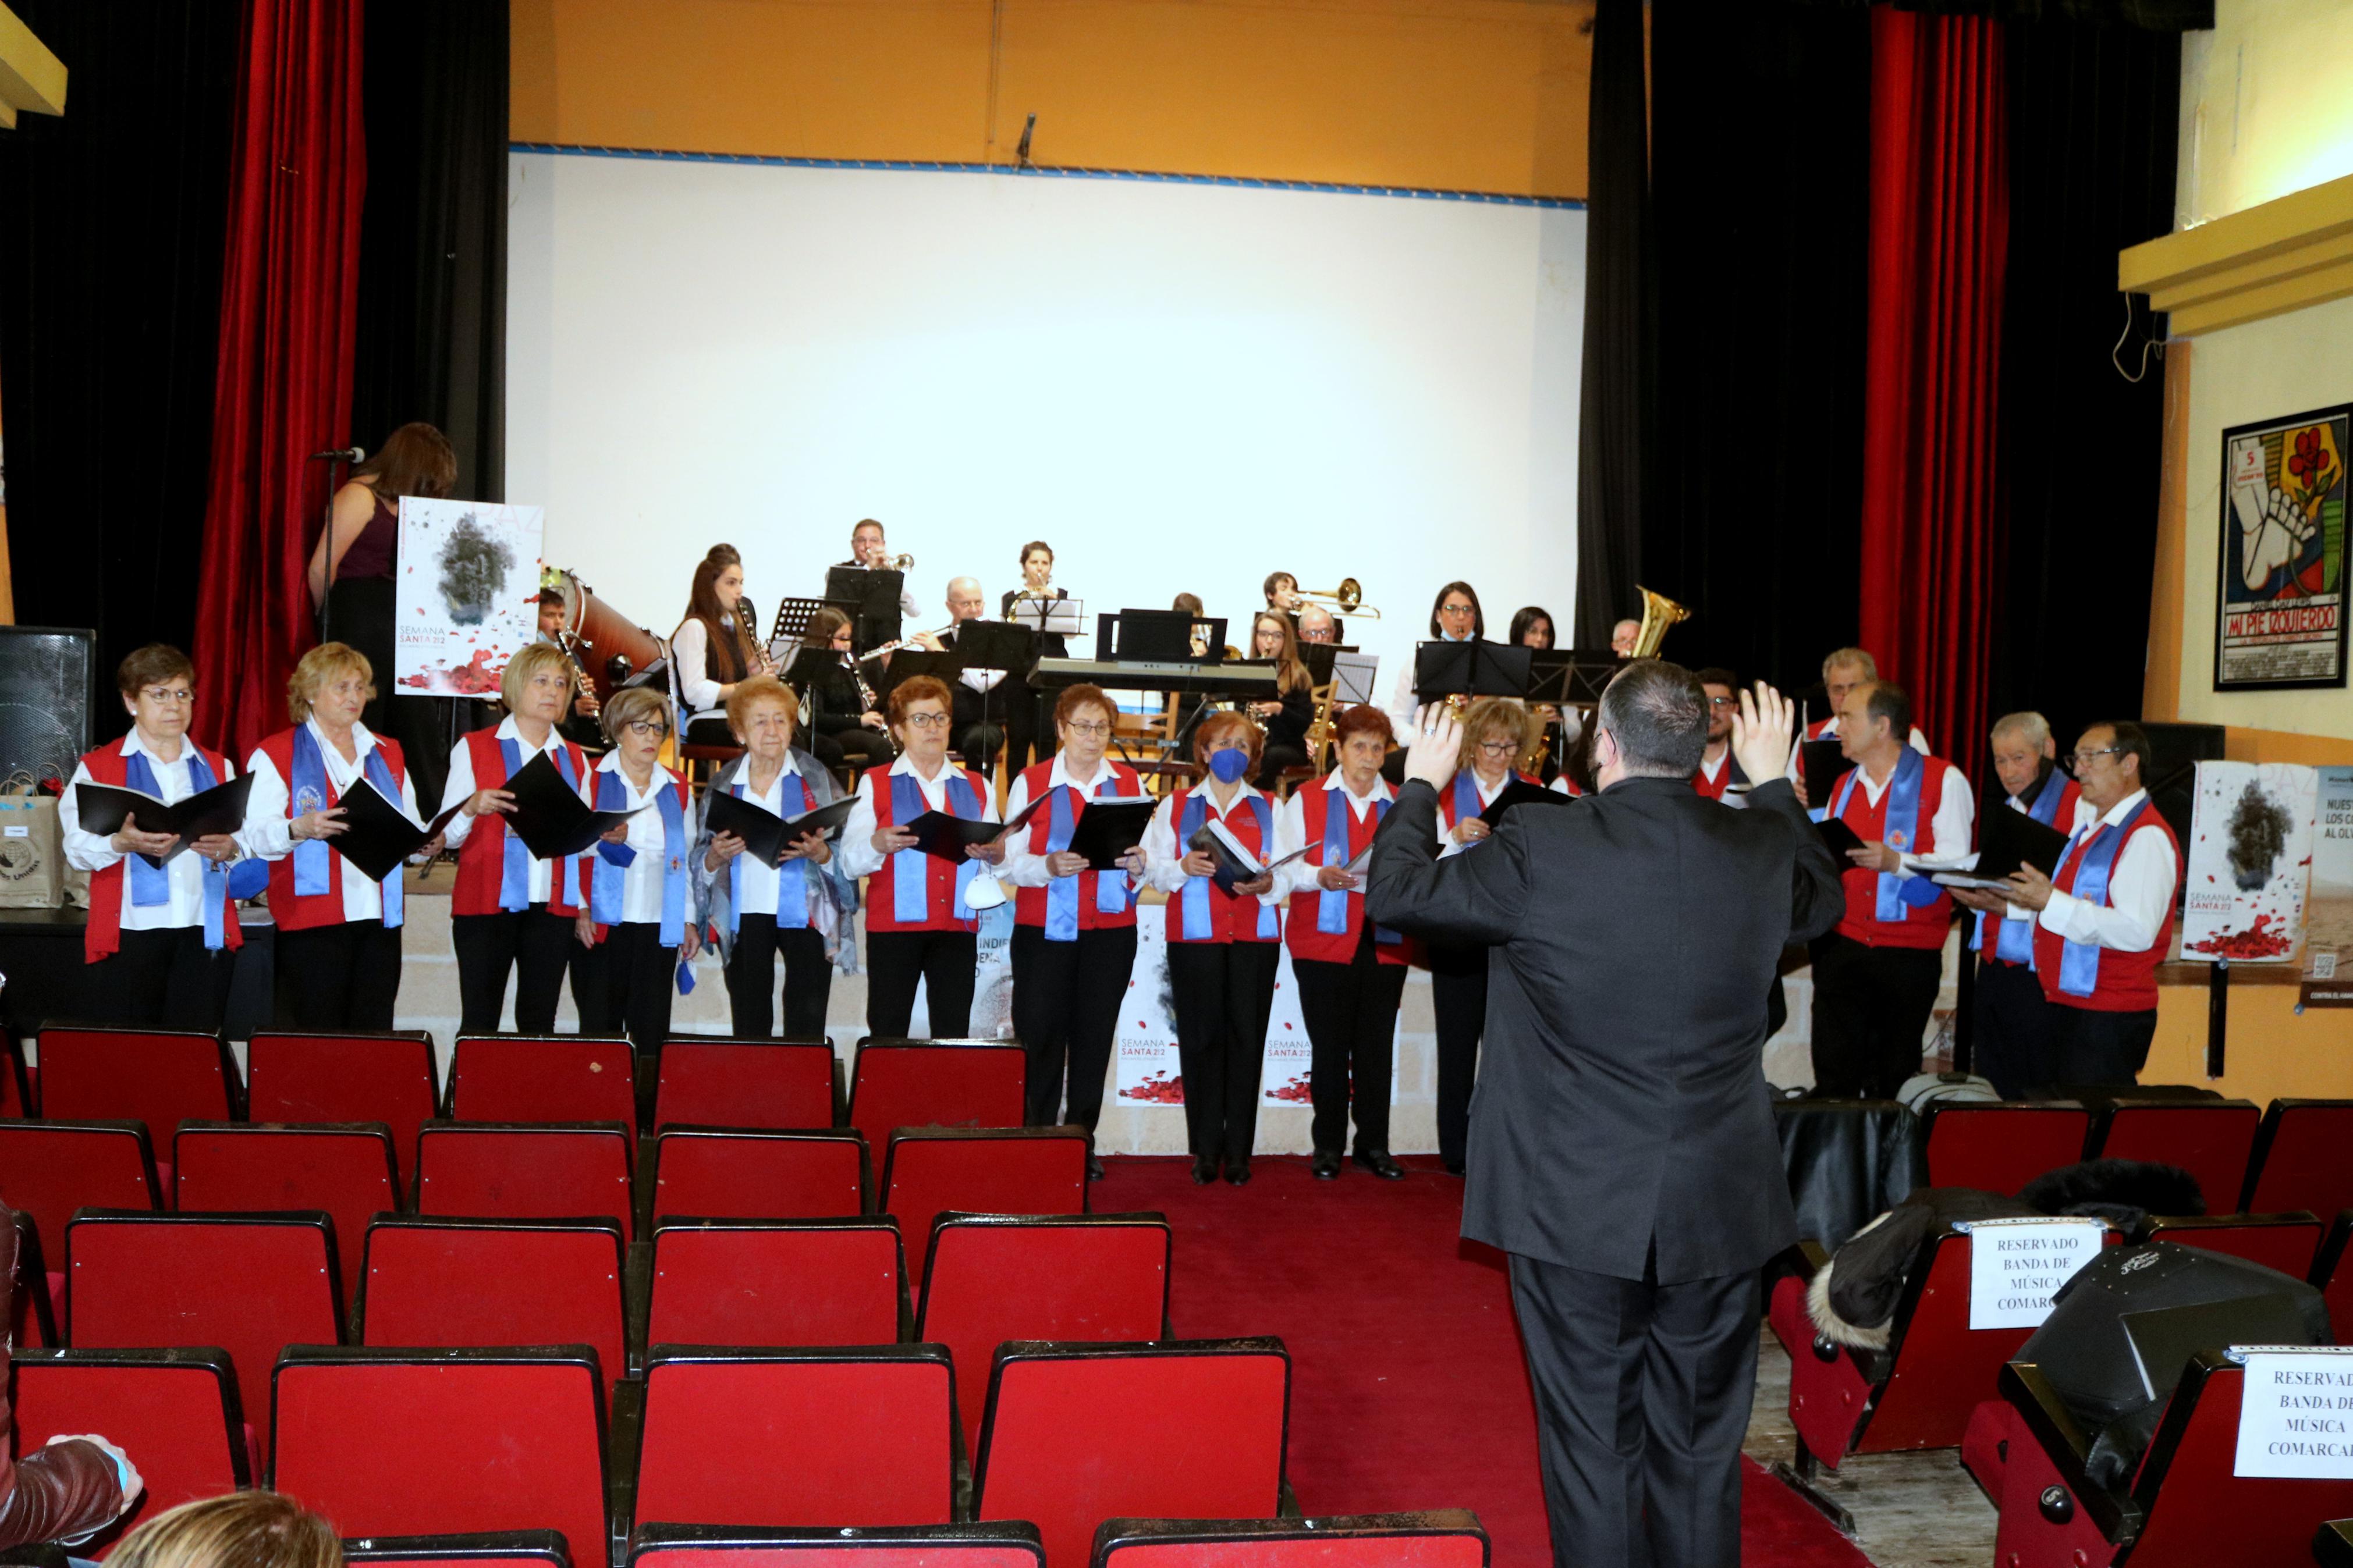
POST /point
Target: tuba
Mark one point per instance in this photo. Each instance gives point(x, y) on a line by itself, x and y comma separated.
point(1659, 613)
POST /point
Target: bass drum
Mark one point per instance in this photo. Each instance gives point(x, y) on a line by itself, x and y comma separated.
point(613, 651)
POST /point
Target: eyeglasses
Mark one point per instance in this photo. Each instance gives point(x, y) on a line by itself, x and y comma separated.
point(1499, 748)
point(2085, 759)
point(1088, 726)
point(927, 721)
point(647, 729)
point(1724, 701)
point(173, 694)
point(1458, 611)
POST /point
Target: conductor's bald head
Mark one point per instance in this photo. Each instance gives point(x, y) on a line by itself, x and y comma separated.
point(1653, 724)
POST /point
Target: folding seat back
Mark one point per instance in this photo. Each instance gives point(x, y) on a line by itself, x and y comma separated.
point(543, 1077)
point(39, 1296)
point(1199, 1432)
point(174, 1412)
point(485, 1549)
point(1009, 1545)
point(433, 1281)
point(160, 1077)
point(250, 1284)
point(1021, 1170)
point(778, 1282)
point(1072, 1278)
point(934, 1083)
point(2299, 1158)
point(1442, 1538)
point(2287, 1242)
point(2001, 1148)
point(747, 1173)
point(48, 1169)
point(798, 1438)
point(2210, 1138)
point(2332, 1270)
point(784, 1085)
point(319, 1079)
point(244, 1167)
point(422, 1442)
point(513, 1171)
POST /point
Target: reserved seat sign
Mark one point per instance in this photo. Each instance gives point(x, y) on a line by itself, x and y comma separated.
point(2016, 1266)
point(2295, 1413)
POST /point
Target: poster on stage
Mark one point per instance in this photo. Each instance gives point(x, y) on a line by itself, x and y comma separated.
point(1145, 1046)
point(2281, 622)
point(2328, 977)
point(466, 595)
point(2249, 858)
point(1283, 1077)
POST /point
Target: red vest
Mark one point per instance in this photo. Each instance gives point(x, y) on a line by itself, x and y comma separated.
point(291, 910)
point(1298, 924)
point(103, 937)
point(939, 875)
point(1447, 822)
point(481, 859)
point(1922, 925)
point(1029, 903)
point(1231, 919)
point(2127, 981)
point(1712, 789)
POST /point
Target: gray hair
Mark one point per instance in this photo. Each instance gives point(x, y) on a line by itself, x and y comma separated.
point(2028, 725)
point(1859, 658)
point(1658, 715)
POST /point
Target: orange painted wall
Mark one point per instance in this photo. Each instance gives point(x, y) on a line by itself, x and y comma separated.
point(1483, 95)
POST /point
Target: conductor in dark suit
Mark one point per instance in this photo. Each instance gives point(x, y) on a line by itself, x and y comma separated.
point(1622, 1142)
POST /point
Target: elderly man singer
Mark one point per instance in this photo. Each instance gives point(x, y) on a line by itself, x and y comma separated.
point(1622, 1143)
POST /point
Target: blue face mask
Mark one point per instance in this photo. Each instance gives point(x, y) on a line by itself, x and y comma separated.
point(1229, 764)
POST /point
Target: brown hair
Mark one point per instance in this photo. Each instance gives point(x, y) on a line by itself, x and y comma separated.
point(1478, 616)
point(822, 628)
point(726, 649)
point(1362, 718)
point(1032, 548)
point(1189, 603)
point(237, 1530)
point(761, 689)
point(1226, 721)
point(633, 702)
point(1289, 669)
point(914, 689)
point(143, 667)
point(525, 668)
point(416, 460)
point(1082, 695)
point(328, 658)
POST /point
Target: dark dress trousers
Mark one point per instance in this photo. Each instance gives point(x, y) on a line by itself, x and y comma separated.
point(1622, 1147)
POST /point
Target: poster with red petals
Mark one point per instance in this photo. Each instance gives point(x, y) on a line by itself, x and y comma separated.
point(465, 595)
point(2249, 862)
point(1145, 1046)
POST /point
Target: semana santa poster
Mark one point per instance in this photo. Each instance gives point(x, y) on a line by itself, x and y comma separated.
point(465, 594)
point(2250, 855)
point(1148, 1073)
point(2327, 979)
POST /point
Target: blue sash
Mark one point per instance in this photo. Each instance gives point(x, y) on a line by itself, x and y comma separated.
point(911, 902)
point(1331, 903)
point(152, 885)
point(1195, 891)
point(514, 866)
point(1062, 892)
point(1901, 832)
point(313, 865)
point(2014, 944)
point(792, 876)
point(1467, 803)
point(606, 894)
point(2079, 962)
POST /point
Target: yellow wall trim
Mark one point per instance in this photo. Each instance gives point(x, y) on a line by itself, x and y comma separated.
point(2264, 262)
point(32, 79)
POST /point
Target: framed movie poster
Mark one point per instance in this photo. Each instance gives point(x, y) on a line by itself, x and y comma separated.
point(2281, 617)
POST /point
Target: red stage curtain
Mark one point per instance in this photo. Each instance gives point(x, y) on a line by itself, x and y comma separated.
point(1939, 229)
point(289, 292)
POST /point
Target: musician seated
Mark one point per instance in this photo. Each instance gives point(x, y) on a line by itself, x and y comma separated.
point(1624, 636)
point(713, 648)
point(1532, 626)
point(1282, 591)
point(871, 551)
point(1288, 714)
point(980, 728)
point(1316, 624)
point(580, 726)
point(846, 727)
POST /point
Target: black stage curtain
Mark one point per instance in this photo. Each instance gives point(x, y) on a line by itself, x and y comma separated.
point(1760, 182)
point(110, 243)
point(2092, 128)
point(433, 239)
point(1615, 406)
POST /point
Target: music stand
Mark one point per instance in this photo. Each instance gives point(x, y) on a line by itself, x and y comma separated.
point(875, 598)
point(1056, 618)
point(997, 645)
point(1163, 637)
point(1473, 669)
point(909, 662)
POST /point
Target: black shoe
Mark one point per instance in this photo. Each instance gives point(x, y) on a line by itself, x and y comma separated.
point(1094, 1169)
point(1236, 1172)
point(1378, 1163)
point(1325, 1167)
point(1204, 1171)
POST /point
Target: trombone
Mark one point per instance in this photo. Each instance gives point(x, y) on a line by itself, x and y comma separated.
point(1349, 598)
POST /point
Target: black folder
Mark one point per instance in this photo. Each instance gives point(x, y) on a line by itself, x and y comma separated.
point(767, 835)
point(549, 816)
point(102, 809)
point(1821, 763)
point(1232, 862)
point(1519, 792)
point(378, 835)
point(1839, 837)
point(1109, 828)
point(946, 836)
point(2007, 841)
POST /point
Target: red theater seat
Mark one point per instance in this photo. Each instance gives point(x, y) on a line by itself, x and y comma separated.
point(543, 1077)
point(525, 1170)
point(778, 1282)
point(744, 1174)
point(242, 1167)
point(319, 1078)
point(1072, 1279)
point(1198, 1433)
point(419, 1442)
point(160, 1077)
point(39, 1296)
point(2300, 1159)
point(48, 1169)
point(251, 1284)
point(174, 1412)
point(489, 1549)
point(2287, 1242)
point(1442, 1538)
point(934, 1083)
point(496, 1282)
point(904, 1546)
point(2210, 1138)
point(798, 1438)
point(1021, 1170)
point(2001, 1148)
point(782, 1085)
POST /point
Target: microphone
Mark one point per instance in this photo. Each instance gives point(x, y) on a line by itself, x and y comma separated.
point(341, 455)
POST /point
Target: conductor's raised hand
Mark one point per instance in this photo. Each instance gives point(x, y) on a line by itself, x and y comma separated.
point(1762, 734)
point(1435, 748)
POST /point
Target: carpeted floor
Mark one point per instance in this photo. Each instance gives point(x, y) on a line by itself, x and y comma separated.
point(1407, 1388)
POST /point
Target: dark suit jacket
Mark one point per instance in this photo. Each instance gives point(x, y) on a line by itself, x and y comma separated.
point(1622, 1100)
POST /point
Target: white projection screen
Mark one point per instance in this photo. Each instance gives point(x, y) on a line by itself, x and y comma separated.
point(1179, 386)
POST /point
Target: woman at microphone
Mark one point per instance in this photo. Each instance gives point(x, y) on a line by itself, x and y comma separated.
point(1288, 714)
point(713, 648)
point(799, 909)
point(921, 922)
point(1224, 947)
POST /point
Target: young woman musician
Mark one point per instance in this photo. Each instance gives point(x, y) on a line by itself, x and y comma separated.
point(1223, 947)
point(798, 910)
point(1025, 706)
point(1351, 973)
point(155, 934)
point(1287, 715)
point(846, 727)
point(919, 926)
point(1531, 627)
point(512, 911)
point(1454, 616)
point(338, 942)
point(712, 647)
point(1074, 929)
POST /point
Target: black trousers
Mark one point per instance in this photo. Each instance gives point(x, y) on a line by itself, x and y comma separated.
point(1458, 981)
point(857, 748)
point(2089, 1047)
point(1223, 993)
point(946, 962)
point(710, 731)
point(2013, 1029)
point(1643, 1394)
point(1351, 1011)
point(623, 985)
point(751, 976)
point(1273, 759)
point(978, 746)
point(165, 979)
point(1066, 997)
point(1027, 715)
point(338, 979)
point(1871, 1014)
point(532, 944)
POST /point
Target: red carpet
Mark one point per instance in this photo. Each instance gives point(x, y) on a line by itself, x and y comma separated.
point(1408, 1389)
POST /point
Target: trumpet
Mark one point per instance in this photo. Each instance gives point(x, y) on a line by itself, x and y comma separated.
point(900, 564)
point(1349, 598)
